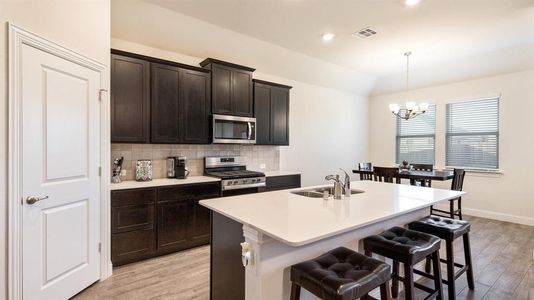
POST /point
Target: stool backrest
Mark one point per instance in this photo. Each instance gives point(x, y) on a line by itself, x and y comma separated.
point(383, 174)
point(367, 166)
point(458, 180)
point(423, 167)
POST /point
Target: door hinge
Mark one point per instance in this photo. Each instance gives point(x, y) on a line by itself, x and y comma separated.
point(99, 247)
point(100, 94)
point(99, 171)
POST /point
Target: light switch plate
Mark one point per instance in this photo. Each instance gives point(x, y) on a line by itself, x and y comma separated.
point(262, 166)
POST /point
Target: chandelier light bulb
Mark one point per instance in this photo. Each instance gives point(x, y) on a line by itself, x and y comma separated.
point(411, 105)
point(394, 108)
point(423, 106)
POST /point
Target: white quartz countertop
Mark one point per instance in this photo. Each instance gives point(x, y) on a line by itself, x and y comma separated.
point(132, 184)
point(280, 173)
point(298, 220)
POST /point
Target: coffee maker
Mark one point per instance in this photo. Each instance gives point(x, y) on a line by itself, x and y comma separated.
point(177, 167)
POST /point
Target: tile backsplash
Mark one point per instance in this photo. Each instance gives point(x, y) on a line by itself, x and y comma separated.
point(254, 156)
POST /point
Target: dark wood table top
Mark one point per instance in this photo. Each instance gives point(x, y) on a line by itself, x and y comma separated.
point(441, 175)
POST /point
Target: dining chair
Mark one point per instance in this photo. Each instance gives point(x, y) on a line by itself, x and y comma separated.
point(384, 174)
point(422, 167)
point(457, 185)
point(367, 166)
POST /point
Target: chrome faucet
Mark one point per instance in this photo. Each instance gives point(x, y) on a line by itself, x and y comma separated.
point(346, 184)
point(337, 185)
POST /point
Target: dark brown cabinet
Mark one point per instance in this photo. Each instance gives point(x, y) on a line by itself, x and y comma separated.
point(283, 182)
point(157, 221)
point(180, 105)
point(271, 109)
point(165, 104)
point(158, 101)
point(232, 89)
point(133, 231)
point(130, 99)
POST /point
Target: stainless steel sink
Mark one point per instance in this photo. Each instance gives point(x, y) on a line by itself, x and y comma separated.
point(318, 192)
point(308, 193)
point(331, 190)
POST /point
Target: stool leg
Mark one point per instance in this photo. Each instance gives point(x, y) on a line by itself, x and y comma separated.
point(295, 291)
point(395, 281)
point(468, 262)
point(384, 291)
point(450, 270)
point(437, 274)
point(428, 262)
point(408, 282)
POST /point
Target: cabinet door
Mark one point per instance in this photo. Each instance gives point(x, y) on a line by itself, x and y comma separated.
point(199, 231)
point(195, 99)
point(130, 99)
point(166, 108)
point(132, 246)
point(262, 112)
point(280, 116)
point(221, 89)
point(172, 226)
point(242, 93)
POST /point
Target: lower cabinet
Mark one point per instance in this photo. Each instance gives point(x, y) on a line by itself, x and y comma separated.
point(155, 221)
point(275, 183)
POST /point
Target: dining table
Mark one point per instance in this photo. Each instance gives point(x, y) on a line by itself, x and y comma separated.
point(440, 175)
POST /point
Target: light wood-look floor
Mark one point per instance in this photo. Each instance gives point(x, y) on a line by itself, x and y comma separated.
point(502, 256)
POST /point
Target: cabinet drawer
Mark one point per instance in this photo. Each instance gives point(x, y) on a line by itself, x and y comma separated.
point(132, 246)
point(189, 192)
point(283, 182)
point(132, 197)
point(132, 217)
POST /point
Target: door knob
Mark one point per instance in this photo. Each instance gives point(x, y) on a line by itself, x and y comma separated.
point(33, 199)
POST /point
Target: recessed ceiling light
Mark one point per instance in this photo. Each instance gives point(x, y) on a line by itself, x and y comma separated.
point(328, 36)
point(411, 2)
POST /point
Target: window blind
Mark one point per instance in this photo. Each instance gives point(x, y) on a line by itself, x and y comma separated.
point(472, 134)
point(416, 138)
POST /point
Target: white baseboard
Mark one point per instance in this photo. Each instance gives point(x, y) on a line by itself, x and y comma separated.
point(498, 216)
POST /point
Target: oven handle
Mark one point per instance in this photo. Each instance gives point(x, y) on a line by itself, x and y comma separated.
point(249, 130)
point(243, 186)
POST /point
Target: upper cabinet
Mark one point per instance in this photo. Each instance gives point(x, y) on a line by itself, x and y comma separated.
point(232, 91)
point(271, 109)
point(176, 101)
point(130, 99)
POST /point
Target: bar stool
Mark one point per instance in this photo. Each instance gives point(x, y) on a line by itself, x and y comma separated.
point(408, 247)
point(449, 230)
point(340, 274)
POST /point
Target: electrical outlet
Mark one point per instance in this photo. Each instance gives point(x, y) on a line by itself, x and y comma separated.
point(262, 166)
point(123, 172)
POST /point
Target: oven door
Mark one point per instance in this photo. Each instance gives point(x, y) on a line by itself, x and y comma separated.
point(233, 130)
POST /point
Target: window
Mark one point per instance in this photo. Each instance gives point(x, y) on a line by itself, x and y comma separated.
point(472, 139)
point(416, 138)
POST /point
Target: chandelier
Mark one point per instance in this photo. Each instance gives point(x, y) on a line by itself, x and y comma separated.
point(412, 109)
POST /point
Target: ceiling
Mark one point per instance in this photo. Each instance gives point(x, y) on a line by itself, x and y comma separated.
point(435, 31)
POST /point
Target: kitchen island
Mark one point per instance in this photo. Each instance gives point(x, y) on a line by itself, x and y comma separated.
point(283, 228)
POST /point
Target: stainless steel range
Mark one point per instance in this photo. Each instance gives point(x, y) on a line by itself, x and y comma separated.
point(235, 178)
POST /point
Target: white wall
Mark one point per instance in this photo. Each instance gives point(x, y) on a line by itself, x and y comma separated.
point(328, 127)
point(83, 26)
point(507, 196)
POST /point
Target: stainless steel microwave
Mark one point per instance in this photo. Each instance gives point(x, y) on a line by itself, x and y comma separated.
point(233, 130)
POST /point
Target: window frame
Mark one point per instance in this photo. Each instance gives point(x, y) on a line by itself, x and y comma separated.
point(485, 133)
point(399, 137)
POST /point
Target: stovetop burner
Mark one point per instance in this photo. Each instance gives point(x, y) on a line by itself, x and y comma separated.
point(235, 174)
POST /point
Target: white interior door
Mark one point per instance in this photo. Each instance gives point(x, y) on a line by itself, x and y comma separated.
point(60, 165)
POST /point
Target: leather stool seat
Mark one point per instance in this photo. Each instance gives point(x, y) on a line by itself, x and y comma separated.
point(444, 228)
point(402, 244)
point(340, 274)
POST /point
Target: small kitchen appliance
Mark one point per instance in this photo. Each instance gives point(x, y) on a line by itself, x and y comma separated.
point(177, 167)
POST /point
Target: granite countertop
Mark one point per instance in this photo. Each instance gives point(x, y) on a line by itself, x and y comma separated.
point(297, 220)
